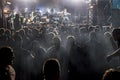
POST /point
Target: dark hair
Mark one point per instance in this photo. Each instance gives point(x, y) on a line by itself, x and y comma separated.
point(116, 36)
point(115, 32)
point(6, 55)
point(51, 69)
point(111, 74)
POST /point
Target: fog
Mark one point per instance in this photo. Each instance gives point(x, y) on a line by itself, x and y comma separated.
point(81, 49)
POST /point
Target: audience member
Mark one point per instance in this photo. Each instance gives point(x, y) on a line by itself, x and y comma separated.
point(51, 69)
point(116, 36)
point(111, 74)
point(7, 72)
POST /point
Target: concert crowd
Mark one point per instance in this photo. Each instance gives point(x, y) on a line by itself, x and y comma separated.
point(82, 50)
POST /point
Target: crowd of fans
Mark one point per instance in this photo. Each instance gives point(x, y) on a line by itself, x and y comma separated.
point(81, 50)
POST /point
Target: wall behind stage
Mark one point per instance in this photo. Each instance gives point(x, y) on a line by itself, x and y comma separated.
point(115, 4)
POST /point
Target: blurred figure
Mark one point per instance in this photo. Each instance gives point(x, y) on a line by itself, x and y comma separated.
point(111, 74)
point(51, 69)
point(110, 44)
point(116, 36)
point(58, 51)
point(17, 22)
point(55, 50)
point(7, 72)
point(66, 16)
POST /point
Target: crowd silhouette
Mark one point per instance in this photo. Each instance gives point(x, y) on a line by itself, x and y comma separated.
point(83, 52)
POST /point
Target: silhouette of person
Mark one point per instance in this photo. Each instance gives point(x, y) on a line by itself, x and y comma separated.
point(116, 36)
point(51, 69)
point(17, 23)
point(111, 74)
point(7, 72)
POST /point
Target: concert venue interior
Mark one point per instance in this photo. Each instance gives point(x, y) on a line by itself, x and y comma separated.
point(83, 35)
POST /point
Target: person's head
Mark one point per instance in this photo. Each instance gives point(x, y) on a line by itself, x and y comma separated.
point(56, 41)
point(6, 55)
point(18, 39)
point(8, 32)
point(70, 40)
point(107, 35)
point(111, 74)
point(2, 31)
point(116, 36)
point(17, 16)
point(65, 10)
point(51, 69)
point(93, 36)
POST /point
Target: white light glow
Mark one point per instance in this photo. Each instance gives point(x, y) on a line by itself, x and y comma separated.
point(79, 1)
point(15, 13)
point(48, 10)
point(76, 1)
point(9, 3)
point(91, 7)
point(26, 9)
point(5, 10)
point(26, 1)
point(88, 1)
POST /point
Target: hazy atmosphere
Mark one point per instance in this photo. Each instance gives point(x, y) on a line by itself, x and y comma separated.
point(83, 35)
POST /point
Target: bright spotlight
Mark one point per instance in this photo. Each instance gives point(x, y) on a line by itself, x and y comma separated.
point(91, 7)
point(5, 11)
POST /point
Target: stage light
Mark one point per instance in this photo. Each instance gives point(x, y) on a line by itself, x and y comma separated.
point(29, 20)
point(91, 7)
point(5, 11)
point(40, 11)
point(9, 3)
